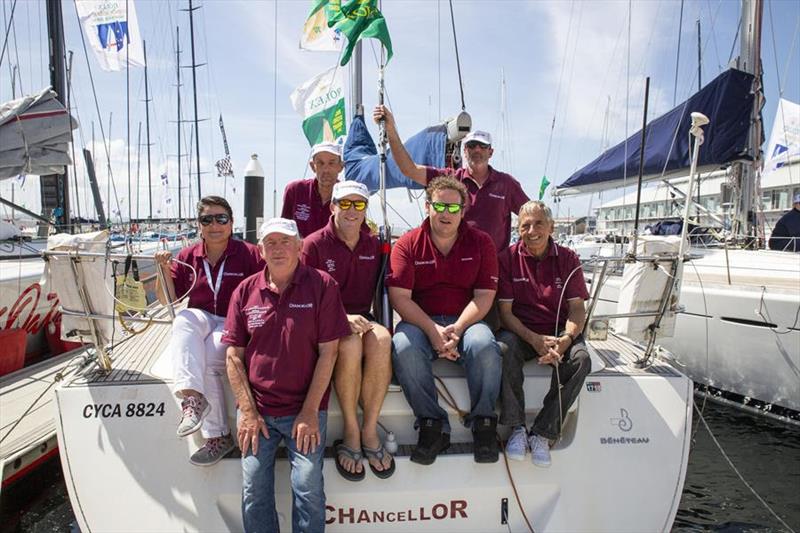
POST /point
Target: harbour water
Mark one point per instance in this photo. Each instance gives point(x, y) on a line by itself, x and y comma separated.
point(765, 453)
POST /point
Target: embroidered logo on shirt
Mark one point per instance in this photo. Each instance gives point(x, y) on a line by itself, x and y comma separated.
point(308, 305)
point(520, 280)
point(302, 212)
point(431, 262)
point(237, 274)
point(330, 264)
point(466, 259)
point(492, 195)
point(366, 257)
point(559, 283)
point(256, 316)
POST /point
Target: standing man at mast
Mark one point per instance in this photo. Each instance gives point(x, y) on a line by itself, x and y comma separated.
point(308, 201)
point(493, 195)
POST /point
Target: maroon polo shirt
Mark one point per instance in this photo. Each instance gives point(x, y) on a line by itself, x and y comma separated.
point(242, 259)
point(303, 204)
point(535, 285)
point(280, 334)
point(356, 271)
point(489, 206)
point(443, 285)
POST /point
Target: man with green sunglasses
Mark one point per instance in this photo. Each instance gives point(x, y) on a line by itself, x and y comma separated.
point(442, 283)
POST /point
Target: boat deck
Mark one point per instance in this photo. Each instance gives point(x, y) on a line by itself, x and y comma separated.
point(26, 411)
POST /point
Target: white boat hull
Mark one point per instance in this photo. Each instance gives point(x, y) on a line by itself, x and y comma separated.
point(629, 434)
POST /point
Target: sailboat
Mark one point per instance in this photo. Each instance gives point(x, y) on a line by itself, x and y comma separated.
point(738, 336)
point(116, 420)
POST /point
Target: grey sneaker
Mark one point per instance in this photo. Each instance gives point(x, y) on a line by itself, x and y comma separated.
point(517, 445)
point(195, 409)
point(213, 450)
point(540, 450)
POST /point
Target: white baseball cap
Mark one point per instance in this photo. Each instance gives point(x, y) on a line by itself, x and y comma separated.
point(278, 225)
point(346, 188)
point(482, 137)
point(331, 148)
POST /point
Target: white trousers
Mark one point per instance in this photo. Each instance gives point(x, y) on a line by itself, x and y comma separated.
point(198, 363)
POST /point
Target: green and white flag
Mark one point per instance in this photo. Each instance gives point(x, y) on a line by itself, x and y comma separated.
point(358, 19)
point(317, 36)
point(543, 186)
point(321, 102)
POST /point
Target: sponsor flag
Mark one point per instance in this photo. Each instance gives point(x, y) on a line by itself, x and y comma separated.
point(543, 187)
point(358, 19)
point(321, 102)
point(112, 36)
point(784, 141)
point(317, 36)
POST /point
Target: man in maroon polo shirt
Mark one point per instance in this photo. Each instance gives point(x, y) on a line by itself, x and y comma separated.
point(282, 331)
point(352, 256)
point(308, 201)
point(443, 281)
point(493, 195)
point(541, 301)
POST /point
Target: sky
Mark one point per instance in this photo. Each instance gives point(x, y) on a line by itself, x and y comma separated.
point(573, 72)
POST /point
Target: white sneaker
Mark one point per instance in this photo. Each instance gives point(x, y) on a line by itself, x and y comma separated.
point(517, 445)
point(194, 410)
point(540, 450)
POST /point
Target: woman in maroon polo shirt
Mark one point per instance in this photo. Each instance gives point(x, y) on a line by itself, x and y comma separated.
point(208, 271)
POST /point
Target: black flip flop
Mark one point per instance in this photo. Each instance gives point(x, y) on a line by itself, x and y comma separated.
point(378, 453)
point(342, 449)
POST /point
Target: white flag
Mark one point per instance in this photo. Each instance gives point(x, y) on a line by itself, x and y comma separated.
point(112, 37)
point(321, 102)
point(784, 141)
point(317, 36)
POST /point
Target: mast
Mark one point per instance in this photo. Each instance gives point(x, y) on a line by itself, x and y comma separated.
point(178, 122)
point(194, 87)
point(147, 132)
point(55, 187)
point(746, 173)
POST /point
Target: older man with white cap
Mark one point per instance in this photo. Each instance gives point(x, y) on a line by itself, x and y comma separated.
point(492, 195)
point(282, 330)
point(307, 201)
point(786, 234)
point(352, 256)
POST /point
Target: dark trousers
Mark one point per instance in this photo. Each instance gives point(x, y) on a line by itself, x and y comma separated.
point(572, 371)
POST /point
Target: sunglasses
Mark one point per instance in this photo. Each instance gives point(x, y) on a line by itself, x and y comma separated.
point(359, 205)
point(439, 207)
point(221, 219)
point(475, 144)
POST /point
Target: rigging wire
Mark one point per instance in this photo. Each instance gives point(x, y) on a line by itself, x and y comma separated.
point(678, 56)
point(275, 116)
point(458, 61)
point(8, 31)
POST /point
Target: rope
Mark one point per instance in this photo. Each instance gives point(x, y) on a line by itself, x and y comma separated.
point(739, 475)
point(514, 488)
point(458, 61)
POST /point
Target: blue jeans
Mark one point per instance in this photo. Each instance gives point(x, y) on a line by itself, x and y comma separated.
point(258, 473)
point(413, 355)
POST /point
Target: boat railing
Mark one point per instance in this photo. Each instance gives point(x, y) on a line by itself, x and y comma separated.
point(100, 316)
point(639, 320)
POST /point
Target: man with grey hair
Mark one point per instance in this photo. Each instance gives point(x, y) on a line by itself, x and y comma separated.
point(282, 330)
point(541, 294)
point(308, 201)
point(492, 195)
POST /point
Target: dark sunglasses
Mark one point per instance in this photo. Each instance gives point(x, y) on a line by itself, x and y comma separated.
point(475, 144)
point(221, 219)
point(359, 205)
point(439, 207)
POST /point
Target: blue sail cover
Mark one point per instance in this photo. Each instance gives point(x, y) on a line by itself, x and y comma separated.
point(728, 103)
point(361, 159)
